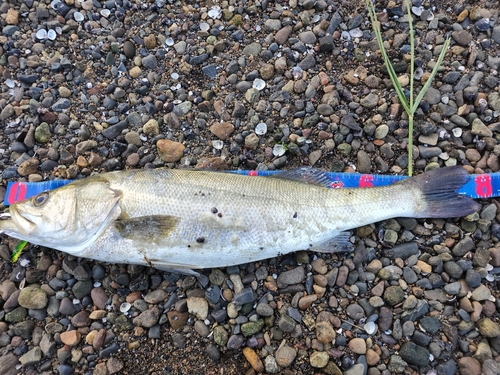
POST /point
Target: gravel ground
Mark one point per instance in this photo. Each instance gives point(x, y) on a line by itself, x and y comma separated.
point(92, 86)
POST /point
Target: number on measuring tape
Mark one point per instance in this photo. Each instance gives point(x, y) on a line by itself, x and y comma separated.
point(483, 185)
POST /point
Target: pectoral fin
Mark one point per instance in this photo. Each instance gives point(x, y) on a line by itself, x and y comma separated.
point(337, 244)
point(147, 229)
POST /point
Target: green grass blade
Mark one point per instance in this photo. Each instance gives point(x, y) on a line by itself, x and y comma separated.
point(390, 69)
point(431, 77)
point(412, 51)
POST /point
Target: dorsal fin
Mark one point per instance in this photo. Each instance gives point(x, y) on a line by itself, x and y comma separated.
point(307, 175)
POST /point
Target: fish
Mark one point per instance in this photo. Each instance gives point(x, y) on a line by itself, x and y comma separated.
point(181, 220)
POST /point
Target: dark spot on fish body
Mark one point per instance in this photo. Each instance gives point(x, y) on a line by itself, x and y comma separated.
point(261, 248)
point(200, 239)
point(214, 210)
point(295, 215)
point(219, 214)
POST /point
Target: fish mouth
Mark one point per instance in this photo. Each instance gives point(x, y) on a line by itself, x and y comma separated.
point(6, 223)
point(17, 222)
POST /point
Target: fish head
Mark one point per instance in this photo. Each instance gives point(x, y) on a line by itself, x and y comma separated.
point(65, 218)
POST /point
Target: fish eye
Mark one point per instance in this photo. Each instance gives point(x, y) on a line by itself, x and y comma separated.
point(40, 199)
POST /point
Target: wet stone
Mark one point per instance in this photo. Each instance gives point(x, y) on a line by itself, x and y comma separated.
point(355, 311)
point(291, 277)
point(32, 357)
point(285, 355)
point(33, 297)
point(414, 354)
point(251, 328)
point(430, 324)
point(488, 328)
point(264, 309)
point(286, 323)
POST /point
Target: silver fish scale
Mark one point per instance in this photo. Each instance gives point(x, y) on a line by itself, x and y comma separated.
point(235, 219)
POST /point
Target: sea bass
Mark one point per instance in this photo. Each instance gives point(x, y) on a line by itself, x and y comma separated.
point(184, 219)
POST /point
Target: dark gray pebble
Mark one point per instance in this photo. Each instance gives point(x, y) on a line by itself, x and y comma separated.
point(27, 78)
point(463, 247)
point(355, 312)
point(403, 251)
point(64, 369)
point(235, 342)
point(213, 352)
point(115, 130)
point(483, 24)
point(409, 275)
point(197, 60)
point(430, 324)
point(414, 354)
point(61, 105)
point(413, 314)
point(155, 332)
point(210, 71)
point(421, 338)
point(150, 62)
point(447, 368)
point(243, 297)
point(473, 278)
point(212, 294)
point(111, 349)
point(219, 315)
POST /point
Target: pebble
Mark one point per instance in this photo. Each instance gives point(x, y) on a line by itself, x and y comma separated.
point(414, 354)
point(325, 332)
point(170, 151)
point(318, 359)
point(71, 338)
point(293, 276)
point(358, 345)
point(254, 360)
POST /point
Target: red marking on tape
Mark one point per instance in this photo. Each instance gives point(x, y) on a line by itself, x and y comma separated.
point(483, 185)
point(253, 173)
point(366, 180)
point(17, 193)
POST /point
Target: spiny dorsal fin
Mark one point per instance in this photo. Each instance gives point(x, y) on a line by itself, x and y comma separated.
point(147, 228)
point(307, 175)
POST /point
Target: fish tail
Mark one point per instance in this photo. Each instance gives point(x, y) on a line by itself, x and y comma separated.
point(439, 193)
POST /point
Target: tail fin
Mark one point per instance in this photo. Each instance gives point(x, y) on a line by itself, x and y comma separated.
point(439, 188)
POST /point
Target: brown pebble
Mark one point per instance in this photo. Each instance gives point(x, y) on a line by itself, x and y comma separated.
point(325, 332)
point(114, 365)
point(99, 297)
point(81, 319)
point(177, 319)
point(307, 301)
point(222, 130)
point(71, 338)
point(99, 338)
point(253, 358)
point(12, 17)
point(170, 151)
point(372, 357)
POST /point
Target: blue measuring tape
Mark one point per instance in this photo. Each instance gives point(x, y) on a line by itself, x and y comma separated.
point(478, 186)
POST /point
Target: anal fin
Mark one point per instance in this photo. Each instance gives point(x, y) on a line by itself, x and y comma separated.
point(338, 244)
point(170, 267)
